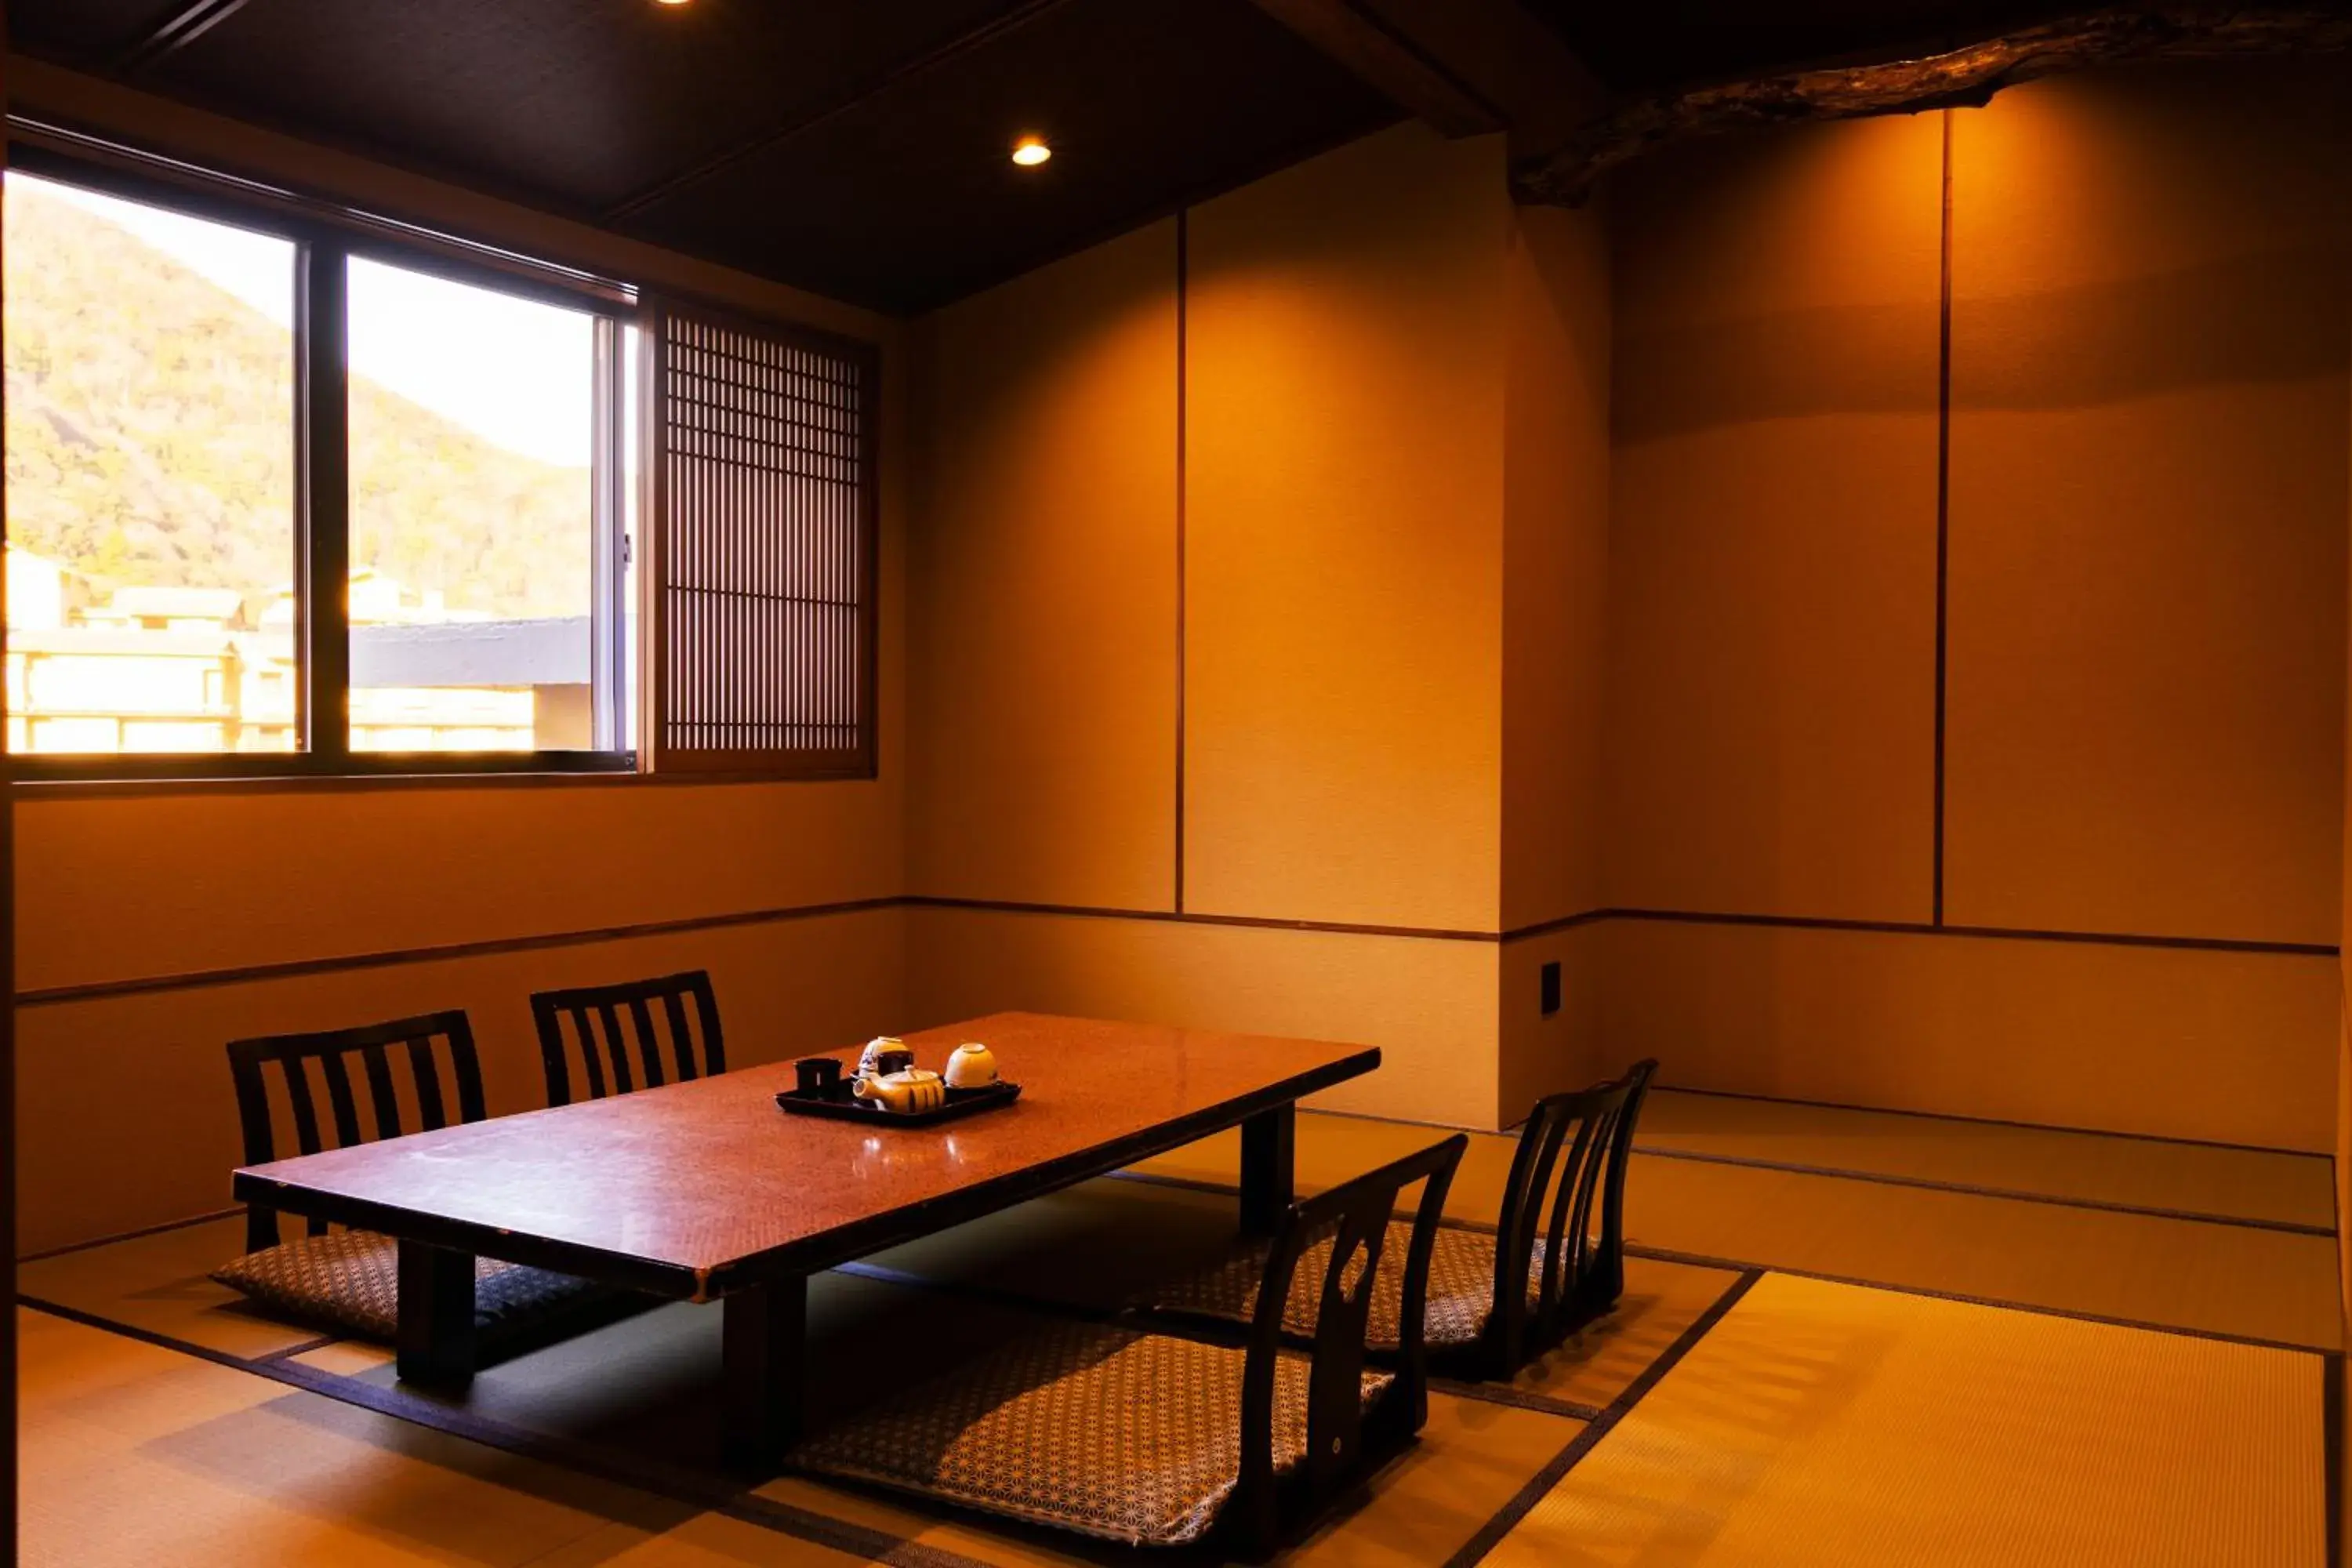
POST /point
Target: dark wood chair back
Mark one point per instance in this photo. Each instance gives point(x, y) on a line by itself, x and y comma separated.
point(1342, 1437)
point(621, 1034)
point(422, 1045)
point(1567, 1186)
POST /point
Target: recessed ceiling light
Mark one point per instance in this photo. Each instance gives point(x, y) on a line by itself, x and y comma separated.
point(669, 2)
point(1031, 151)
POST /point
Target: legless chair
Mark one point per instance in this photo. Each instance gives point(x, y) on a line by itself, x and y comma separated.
point(1151, 1440)
point(607, 1047)
point(350, 1280)
point(1554, 1263)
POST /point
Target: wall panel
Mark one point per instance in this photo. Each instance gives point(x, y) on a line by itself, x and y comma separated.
point(127, 1115)
point(1042, 632)
point(1429, 1005)
point(1344, 368)
point(2149, 492)
point(1773, 531)
point(2228, 1046)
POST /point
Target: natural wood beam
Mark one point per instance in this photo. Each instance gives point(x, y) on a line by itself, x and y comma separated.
point(1960, 78)
point(1360, 39)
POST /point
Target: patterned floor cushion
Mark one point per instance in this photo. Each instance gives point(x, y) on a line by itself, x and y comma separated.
point(1461, 1288)
point(350, 1280)
point(1127, 1436)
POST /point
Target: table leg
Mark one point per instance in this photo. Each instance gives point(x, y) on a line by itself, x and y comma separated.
point(436, 1315)
point(765, 1338)
point(1268, 1140)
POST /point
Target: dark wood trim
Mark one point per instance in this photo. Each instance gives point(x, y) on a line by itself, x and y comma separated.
point(1169, 917)
point(99, 159)
point(1183, 459)
point(1540, 1484)
point(56, 775)
point(184, 26)
point(295, 969)
point(1391, 62)
point(1005, 22)
point(190, 980)
point(1943, 510)
point(1986, 933)
point(322, 632)
point(2331, 1448)
point(1551, 927)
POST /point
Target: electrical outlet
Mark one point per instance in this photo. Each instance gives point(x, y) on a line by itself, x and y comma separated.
point(1551, 988)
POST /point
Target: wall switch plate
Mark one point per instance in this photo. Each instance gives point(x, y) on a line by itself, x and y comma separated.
point(1551, 988)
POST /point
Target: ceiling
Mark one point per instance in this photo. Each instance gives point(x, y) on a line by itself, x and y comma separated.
point(1671, 43)
point(858, 148)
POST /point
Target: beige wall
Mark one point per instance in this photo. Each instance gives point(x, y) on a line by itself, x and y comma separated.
point(2145, 718)
point(126, 1118)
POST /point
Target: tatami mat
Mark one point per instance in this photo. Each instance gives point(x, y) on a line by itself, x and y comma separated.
point(137, 1457)
point(1826, 1425)
point(2085, 1167)
point(2222, 1280)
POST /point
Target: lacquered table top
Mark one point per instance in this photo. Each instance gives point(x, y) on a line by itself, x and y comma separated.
point(704, 1176)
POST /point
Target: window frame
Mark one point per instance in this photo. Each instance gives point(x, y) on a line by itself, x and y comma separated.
point(325, 238)
point(653, 685)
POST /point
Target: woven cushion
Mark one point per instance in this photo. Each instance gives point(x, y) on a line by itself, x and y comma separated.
point(1461, 1288)
point(350, 1280)
point(1129, 1436)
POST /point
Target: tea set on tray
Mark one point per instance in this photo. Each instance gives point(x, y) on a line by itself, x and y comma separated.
point(888, 1086)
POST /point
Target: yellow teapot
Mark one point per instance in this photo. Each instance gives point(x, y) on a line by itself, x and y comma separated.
point(908, 1089)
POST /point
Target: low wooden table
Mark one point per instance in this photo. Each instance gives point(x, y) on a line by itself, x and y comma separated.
point(706, 1190)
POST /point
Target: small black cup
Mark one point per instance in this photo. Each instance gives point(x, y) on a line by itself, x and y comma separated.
point(820, 1077)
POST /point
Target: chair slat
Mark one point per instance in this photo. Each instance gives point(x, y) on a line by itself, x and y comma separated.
point(380, 1090)
point(681, 1038)
point(306, 1109)
point(606, 1043)
point(431, 1110)
point(617, 1050)
point(649, 1042)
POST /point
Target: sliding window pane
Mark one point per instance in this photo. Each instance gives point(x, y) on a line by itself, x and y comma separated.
point(149, 442)
point(473, 517)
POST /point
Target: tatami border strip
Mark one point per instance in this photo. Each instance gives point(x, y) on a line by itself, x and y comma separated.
point(169, 1224)
point(2217, 1336)
point(200, 979)
point(1964, 1189)
point(1539, 1486)
point(677, 1485)
point(1985, 1121)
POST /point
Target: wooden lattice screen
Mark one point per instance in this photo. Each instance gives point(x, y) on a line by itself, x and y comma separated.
point(762, 521)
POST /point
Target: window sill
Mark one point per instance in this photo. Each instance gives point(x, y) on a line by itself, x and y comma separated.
point(49, 782)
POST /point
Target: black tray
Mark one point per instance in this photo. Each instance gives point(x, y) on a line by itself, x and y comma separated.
point(844, 1105)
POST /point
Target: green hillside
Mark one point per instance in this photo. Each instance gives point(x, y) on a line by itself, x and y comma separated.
point(149, 441)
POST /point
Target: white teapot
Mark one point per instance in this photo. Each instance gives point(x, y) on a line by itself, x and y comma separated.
point(913, 1088)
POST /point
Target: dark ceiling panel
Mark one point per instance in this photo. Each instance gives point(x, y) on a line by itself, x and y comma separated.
point(1665, 42)
point(86, 33)
point(579, 103)
point(911, 199)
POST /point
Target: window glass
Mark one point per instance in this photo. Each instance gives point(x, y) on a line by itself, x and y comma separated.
point(150, 450)
point(474, 590)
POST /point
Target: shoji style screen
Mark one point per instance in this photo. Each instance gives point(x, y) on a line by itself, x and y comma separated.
point(761, 521)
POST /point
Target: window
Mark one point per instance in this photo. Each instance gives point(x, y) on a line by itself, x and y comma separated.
point(764, 614)
point(299, 490)
point(151, 476)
